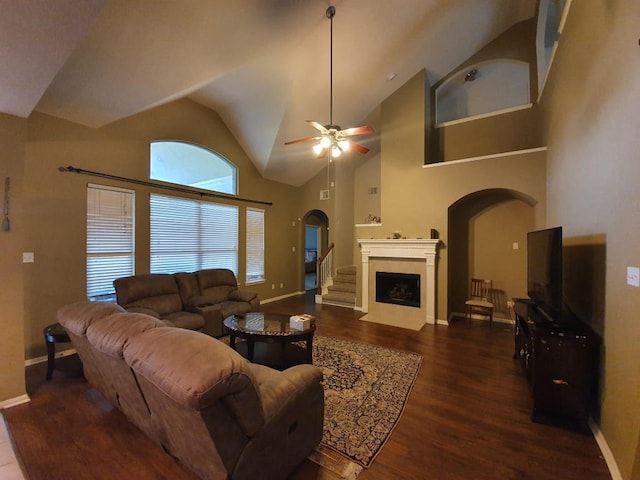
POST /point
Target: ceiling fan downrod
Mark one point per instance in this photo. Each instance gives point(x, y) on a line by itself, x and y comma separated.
point(331, 12)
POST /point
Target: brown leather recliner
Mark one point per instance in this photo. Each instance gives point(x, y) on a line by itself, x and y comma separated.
point(197, 301)
point(158, 295)
point(223, 417)
point(76, 319)
point(219, 297)
point(109, 337)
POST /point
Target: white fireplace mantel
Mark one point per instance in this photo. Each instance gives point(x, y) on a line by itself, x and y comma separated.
point(418, 248)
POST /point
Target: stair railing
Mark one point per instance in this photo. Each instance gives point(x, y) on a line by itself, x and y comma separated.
point(324, 269)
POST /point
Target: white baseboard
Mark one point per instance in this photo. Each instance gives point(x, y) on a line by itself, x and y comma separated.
point(282, 297)
point(12, 402)
point(34, 361)
point(605, 450)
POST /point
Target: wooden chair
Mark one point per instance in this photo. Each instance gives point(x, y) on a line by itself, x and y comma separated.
point(479, 298)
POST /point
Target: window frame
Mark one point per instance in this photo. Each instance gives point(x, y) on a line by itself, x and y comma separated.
point(182, 163)
point(199, 235)
point(260, 245)
point(106, 237)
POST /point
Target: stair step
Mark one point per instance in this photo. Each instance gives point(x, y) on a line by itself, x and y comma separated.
point(339, 286)
point(339, 299)
point(346, 278)
point(342, 293)
point(348, 270)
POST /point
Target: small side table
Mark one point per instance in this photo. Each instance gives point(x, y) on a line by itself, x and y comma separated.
point(54, 333)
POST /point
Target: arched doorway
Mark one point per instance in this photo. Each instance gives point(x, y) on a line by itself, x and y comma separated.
point(487, 239)
point(315, 241)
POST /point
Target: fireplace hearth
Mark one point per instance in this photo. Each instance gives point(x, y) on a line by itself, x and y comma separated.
point(398, 288)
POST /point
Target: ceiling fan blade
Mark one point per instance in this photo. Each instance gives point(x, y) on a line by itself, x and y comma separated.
point(308, 139)
point(357, 147)
point(348, 132)
point(317, 126)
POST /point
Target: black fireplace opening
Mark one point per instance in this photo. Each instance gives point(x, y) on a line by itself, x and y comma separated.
point(398, 288)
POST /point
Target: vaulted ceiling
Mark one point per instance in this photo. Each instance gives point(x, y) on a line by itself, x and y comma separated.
point(263, 65)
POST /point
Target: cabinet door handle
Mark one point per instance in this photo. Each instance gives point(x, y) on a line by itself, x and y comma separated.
point(560, 382)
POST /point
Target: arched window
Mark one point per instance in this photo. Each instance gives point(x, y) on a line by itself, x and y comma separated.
point(191, 165)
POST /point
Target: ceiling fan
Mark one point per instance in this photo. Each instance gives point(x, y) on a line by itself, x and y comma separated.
point(332, 138)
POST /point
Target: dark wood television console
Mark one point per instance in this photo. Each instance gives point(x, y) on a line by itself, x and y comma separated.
point(560, 358)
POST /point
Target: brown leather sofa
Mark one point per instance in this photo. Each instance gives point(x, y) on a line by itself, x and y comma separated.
point(219, 415)
point(196, 301)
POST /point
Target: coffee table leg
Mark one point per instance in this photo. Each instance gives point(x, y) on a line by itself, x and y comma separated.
point(310, 349)
point(250, 349)
point(51, 359)
point(232, 341)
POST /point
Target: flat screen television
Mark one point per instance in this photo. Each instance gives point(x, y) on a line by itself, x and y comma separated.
point(544, 270)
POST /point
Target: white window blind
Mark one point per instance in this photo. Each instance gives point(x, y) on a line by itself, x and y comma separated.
point(189, 235)
point(255, 245)
point(110, 239)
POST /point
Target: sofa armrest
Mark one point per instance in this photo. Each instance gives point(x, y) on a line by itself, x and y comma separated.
point(146, 311)
point(212, 315)
point(242, 296)
point(293, 405)
point(196, 304)
point(282, 389)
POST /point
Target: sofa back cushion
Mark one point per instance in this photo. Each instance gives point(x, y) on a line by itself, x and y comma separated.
point(111, 334)
point(156, 291)
point(76, 317)
point(196, 371)
point(187, 286)
point(216, 284)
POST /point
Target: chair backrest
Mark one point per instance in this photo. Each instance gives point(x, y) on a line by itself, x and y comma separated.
point(480, 288)
point(216, 284)
point(155, 291)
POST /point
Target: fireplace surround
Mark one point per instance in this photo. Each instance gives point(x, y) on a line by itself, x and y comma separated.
point(407, 256)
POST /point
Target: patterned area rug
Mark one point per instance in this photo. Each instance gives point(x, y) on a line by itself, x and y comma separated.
point(366, 390)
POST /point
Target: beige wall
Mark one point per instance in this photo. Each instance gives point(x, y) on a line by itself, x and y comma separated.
point(492, 235)
point(13, 133)
point(504, 133)
point(56, 202)
point(590, 117)
point(591, 102)
point(416, 198)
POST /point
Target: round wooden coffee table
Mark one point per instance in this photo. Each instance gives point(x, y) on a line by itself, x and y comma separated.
point(269, 339)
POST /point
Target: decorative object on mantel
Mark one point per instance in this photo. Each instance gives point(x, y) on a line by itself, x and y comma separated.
point(372, 219)
point(397, 235)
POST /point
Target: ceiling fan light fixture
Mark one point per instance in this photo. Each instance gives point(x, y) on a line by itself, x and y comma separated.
point(325, 142)
point(332, 137)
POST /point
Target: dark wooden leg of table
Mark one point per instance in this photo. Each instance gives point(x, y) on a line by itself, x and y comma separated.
point(310, 349)
point(232, 341)
point(250, 349)
point(51, 358)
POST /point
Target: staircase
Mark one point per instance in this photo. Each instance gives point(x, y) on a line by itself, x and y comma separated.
point(342, 293)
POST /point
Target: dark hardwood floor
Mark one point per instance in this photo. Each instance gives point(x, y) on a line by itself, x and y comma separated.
point(467, 416)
